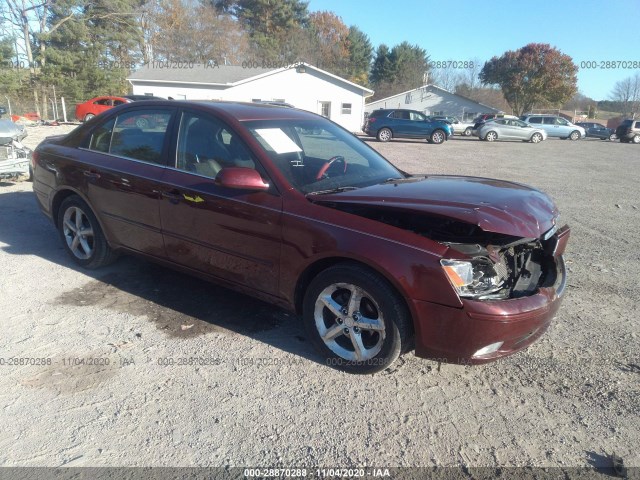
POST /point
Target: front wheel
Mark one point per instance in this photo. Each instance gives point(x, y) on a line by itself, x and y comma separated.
point(636, 139)
point(612, 137)
point(536, 138)
point(384, 135)
point(437, 137)
point(356, 319)
point(88, 117)
point(575, 135)
point(81, 234)
point(467, 132)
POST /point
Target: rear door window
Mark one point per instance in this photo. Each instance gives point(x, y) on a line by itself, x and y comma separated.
point(535, 120)
point(139, 135)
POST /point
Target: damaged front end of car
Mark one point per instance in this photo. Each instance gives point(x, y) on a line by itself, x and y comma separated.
point(15, 158)
point(509, 286)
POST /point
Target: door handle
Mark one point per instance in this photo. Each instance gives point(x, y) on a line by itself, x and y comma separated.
point(91, 175)
point(173, 196)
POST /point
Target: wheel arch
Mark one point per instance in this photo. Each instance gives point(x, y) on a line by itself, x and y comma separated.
point(64, 193)
point(319, 265)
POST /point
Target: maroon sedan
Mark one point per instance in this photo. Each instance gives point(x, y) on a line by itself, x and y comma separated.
point(289, 207)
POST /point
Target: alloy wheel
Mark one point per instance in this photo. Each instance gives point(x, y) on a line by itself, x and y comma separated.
point(78, 233)
point(349, 322)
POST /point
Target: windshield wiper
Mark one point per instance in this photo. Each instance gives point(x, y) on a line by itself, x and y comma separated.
point(332, 190)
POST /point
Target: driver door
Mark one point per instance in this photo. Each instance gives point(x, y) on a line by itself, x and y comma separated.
point(231, 234)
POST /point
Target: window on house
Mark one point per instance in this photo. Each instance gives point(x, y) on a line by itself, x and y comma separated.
point(346, 109)
point(325, 109)
point(437, 113)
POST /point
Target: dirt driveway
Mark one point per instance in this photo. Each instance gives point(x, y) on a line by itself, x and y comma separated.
point(135, 365)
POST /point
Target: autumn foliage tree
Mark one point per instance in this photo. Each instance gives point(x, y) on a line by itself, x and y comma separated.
point(536, 74)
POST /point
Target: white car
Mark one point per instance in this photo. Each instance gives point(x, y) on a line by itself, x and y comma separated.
point(459, 127)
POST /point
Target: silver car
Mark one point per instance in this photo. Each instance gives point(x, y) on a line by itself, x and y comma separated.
point(510, 129)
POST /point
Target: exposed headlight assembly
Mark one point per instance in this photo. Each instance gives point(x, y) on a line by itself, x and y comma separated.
point(476, 278)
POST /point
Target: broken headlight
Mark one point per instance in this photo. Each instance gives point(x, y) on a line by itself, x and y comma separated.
point(476, 278)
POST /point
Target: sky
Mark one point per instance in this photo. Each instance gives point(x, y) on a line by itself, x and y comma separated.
point(587, 30)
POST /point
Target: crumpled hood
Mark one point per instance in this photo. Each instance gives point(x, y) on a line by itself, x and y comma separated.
point(494, 205)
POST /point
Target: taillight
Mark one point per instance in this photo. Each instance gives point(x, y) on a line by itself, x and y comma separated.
point(371, 120)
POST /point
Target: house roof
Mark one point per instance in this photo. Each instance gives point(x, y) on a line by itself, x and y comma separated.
point(211, 74)
point(221, 75)
point(497, 110)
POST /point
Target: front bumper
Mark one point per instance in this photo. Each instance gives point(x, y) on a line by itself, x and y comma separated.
point(454, 335)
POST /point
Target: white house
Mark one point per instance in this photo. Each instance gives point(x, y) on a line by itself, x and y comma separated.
point(301, 85)
point(433, 100)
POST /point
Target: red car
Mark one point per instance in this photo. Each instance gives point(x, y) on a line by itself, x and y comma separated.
point(89, 109)
point(287, 206)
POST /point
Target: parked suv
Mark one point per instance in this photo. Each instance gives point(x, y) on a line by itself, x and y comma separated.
point(629, 131)
point(597, 130)
point(399, 123)
point(556, 126)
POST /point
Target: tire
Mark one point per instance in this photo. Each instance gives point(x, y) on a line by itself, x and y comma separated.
point(612, 137)
point(575, 135)
point(437, 137)
point(624, 140)
point(491, 136)
point(88, 117)
point(384, 135)
point(636, 139)
point(327, 313)
point(142, 123)
point(536, 138)
point(467, 132)
point(89, 249)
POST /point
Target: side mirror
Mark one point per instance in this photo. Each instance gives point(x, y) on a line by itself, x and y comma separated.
point(241, 178)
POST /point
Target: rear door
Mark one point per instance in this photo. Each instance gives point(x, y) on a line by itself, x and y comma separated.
point(122, 167)
point(231, 234)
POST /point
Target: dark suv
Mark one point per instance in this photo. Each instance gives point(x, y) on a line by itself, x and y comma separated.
point(399, 123)
point(629, 131)
point(596, 130)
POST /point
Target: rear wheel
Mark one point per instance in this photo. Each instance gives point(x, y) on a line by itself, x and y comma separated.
point(437, 137)
point(491, 136)
point(467, 132)
point(81, 234)
point(612, 137)
point(356, 319)
point(636, 139)
point(88, 117)
point(575, 135)
point(536, 138)
point(384, 135)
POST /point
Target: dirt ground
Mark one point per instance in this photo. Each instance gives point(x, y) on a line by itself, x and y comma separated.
point(136, 365)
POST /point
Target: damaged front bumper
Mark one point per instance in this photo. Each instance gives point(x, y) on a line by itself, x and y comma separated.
point(485, 330)
point(15, 159)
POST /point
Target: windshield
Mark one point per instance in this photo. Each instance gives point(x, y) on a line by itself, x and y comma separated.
point(318, 156)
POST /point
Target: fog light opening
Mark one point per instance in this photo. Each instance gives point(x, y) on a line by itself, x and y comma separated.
point(488, 349)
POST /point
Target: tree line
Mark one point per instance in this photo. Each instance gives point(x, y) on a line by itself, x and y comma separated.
point(84, 48)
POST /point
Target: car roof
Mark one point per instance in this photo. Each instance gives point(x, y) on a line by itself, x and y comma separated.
point(241, 111)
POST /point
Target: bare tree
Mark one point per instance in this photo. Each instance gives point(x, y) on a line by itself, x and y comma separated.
point(627, 92)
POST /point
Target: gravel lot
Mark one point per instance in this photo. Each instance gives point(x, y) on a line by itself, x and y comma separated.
point(267, 399)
